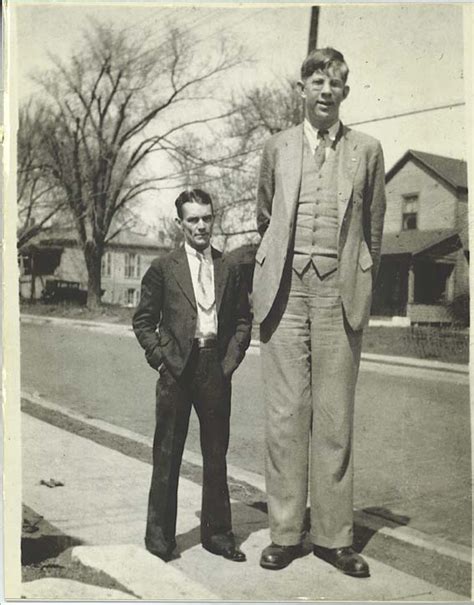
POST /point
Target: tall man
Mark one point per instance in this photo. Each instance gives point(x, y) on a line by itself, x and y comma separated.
point(200, 306)
point(320, 210)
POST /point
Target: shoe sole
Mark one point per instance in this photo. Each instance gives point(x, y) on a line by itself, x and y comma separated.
point(219, 554)
point(274, 567)
point(352, 574)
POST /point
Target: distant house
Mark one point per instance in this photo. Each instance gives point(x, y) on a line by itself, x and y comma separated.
point(58, 256)
point(425, 249)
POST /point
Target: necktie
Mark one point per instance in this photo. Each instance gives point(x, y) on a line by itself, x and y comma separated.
point(320, 152)
point(205, 294)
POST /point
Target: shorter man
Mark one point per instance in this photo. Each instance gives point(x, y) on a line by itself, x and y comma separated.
point(199, 304)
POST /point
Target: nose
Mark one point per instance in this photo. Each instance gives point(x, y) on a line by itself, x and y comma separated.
point(201, 225)
point(326, 89)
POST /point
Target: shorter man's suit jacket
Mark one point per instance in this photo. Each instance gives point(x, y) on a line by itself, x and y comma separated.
point(168, 303)
point(361, 209)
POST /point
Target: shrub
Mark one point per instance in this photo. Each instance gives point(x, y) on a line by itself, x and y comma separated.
point(458, 310)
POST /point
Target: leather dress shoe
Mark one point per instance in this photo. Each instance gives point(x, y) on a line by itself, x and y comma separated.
point(345, 559)
point(164, 556)
point(224, 546)
point(278, 557)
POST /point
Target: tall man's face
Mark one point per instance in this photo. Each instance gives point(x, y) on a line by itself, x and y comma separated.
point(196, 224)
point(323, 93)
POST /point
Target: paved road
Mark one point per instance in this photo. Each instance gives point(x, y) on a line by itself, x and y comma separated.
point(412, 436)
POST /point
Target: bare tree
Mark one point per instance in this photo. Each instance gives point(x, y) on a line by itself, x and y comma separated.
point(118, 100)
point(39, 199)
point(231, 176)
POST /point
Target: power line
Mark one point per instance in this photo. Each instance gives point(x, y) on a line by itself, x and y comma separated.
point(408, 113)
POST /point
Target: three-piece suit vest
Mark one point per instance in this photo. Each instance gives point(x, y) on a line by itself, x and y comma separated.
point(316, 223)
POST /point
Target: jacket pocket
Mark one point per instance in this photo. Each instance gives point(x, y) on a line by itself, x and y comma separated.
point(163, 338)
point(365, 259)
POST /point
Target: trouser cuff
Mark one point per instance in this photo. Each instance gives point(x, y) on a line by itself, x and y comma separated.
point(287, 539)
point(338, 542)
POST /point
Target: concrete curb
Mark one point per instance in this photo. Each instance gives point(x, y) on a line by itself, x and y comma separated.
point(389, 530)
point(124, 330)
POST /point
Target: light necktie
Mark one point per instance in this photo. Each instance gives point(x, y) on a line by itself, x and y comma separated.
point(205, 294)
point(320, 152)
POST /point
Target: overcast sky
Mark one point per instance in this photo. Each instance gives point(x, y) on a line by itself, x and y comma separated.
point(402, 58)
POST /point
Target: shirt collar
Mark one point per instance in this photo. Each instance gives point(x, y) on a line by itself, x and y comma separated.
point(190, 251)
point(312, 133)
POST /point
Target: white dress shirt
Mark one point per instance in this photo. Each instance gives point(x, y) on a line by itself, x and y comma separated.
point(311, 134)
point(206, 324)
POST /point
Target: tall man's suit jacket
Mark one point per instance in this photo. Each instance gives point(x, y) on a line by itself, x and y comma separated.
point(167, 301)
point(361, 209)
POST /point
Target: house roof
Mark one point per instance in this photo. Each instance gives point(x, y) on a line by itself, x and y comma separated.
point(413, 241)
point(450, 170)
point(124, 239)
point(128, 238)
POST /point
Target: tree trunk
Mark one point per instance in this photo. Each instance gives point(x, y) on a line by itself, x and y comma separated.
point(33, 278)
point(93, 256)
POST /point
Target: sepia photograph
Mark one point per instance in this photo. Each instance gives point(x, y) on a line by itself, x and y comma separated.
point(236, 301)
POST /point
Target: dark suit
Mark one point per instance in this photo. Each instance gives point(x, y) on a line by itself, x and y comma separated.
point(189, 376)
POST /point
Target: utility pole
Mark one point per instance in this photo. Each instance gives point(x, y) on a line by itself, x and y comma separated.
point(313, 29)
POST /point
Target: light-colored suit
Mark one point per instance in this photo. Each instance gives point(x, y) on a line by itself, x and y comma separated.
point(361, 209)
point(311, 331)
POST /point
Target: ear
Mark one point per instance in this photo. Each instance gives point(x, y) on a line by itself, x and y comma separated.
point(178, 221)
point(346, 91)
point(300, 87)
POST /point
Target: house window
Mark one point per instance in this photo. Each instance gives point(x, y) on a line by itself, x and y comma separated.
point(107, 264)
point(132, 265)
point(131, 297)
point(410, 212)
point(25, 264)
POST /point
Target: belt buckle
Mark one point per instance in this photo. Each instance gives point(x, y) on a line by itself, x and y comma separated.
point(206, 342)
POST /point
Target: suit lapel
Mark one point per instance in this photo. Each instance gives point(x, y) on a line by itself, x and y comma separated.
point(182, 275)
point(349, 159)
point(220, 277)
point(292, 164)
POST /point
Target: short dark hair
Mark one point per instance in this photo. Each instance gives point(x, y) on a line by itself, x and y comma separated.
point(323, 59)
point(192, 195)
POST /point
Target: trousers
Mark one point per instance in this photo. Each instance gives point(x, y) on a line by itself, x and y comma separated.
point(204, 386)
point(310, 361)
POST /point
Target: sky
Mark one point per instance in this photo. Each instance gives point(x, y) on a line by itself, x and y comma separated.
point(402, 58)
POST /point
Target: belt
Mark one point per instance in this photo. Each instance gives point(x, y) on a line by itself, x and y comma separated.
point(208, 342)
point(328, 255)
point(311, 254)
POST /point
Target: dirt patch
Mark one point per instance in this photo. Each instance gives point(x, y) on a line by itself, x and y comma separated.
point(46, 552)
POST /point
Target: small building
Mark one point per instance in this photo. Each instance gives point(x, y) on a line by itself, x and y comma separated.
point(57, 255)
point(425, 254)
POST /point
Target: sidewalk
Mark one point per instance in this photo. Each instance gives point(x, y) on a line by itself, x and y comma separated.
point(103, 505)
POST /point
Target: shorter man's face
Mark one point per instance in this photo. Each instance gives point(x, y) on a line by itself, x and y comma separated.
point(323, 93)
point(196, 224)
